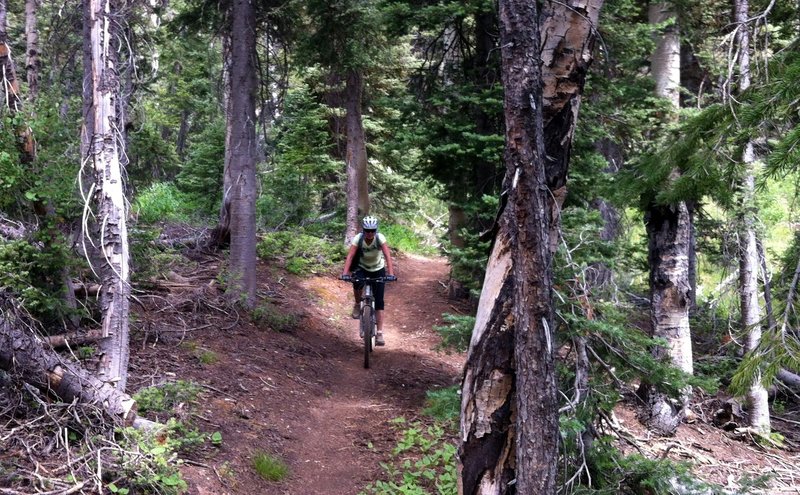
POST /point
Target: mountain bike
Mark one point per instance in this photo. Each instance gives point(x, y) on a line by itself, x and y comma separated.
point(367, 328)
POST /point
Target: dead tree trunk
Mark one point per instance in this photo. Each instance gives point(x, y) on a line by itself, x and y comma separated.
point(356, 156)
point(32, 63)
point(757, 397)
point(23, 353)
point(509, 409)
point(25, 142)
point(102, 143)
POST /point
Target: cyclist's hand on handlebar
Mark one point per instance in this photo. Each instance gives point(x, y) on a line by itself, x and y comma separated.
point(346, 277)
point(391, 278)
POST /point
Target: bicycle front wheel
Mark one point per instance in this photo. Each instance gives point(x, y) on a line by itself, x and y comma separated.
point(366, 331)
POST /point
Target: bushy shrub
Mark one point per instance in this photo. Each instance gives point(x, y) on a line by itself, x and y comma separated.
point(300, 253)
point(164, 397)
point(34, 275)
point(160, 201)
point(457, 333)
point(403, 238)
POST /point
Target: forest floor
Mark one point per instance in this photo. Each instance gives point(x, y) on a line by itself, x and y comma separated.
point(288, 380)
point(302, 394)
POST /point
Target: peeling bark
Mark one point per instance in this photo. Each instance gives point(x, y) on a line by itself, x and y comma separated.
point(102, 151)
point(509, 409)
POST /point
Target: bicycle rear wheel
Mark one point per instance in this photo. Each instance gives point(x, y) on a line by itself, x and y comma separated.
point(366, 331)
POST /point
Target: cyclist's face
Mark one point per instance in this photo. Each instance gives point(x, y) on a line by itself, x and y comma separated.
point(369, 234)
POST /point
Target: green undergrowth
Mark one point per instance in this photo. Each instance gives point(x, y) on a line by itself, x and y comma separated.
point(161, 202)
point(424, 459)
point(300, 253)
point(405, 239)
point(149, 462)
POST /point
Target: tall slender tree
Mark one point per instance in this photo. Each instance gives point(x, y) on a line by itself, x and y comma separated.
point(102, 147)
point(669, 244)
point(32, 63)
point(757, 399)
point(241, 171)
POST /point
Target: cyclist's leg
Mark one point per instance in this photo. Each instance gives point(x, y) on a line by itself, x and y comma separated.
point(358, 288)
point(378, 291)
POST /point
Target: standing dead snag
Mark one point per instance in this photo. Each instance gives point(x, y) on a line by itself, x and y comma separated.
point(509, 410)
point(101, 151)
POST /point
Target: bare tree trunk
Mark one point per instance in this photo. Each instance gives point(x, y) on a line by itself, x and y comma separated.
point(457, 219)
point(509, 429)
point(102, 155)
point(32, 64)
point(757, 397)
point(669, 247)
point(221, 234)
point(356, 140)
point(242, 170)
point(666, 60)
point(536, 402)
point(10, 82)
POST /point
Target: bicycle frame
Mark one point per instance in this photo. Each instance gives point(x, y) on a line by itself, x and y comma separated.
point(368, 319)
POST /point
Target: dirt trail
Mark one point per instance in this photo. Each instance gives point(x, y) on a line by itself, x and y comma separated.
point(303, 395)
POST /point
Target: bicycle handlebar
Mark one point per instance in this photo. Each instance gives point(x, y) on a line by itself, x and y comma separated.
point(350, 278)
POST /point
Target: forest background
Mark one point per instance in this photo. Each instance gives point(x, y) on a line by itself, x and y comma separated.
point(674, 245)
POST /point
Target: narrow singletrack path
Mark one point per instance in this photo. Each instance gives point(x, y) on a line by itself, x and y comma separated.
point(303, 395)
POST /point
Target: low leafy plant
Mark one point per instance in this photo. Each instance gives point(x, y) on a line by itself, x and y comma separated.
point(162, 398)
point(147, 464)
point(425, 462)
point(160, 201)
point(269, 467)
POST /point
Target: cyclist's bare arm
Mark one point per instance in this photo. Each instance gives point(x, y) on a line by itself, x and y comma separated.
point(349, 260)
point(388, 257)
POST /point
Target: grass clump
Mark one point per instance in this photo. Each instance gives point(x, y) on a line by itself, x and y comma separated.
point(269, 467)
point(443, 404)
point(268, 315)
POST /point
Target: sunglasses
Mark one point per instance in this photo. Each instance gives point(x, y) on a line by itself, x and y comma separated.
point(369, 231)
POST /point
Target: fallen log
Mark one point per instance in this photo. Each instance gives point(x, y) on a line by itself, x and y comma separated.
point(789, 379)
point(23, 353)
point(70, 339)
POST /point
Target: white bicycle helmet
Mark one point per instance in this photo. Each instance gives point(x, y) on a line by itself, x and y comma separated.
point(370, 223)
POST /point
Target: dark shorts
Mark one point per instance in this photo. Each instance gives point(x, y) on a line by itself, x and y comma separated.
point(377, 288)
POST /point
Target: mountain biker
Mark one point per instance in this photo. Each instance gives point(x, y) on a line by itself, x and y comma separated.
point(374, 261)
